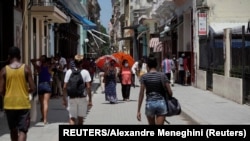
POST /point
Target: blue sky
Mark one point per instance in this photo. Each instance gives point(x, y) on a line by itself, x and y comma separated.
point(106, 12)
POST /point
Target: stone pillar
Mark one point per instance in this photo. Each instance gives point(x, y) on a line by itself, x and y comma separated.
point(227, 51)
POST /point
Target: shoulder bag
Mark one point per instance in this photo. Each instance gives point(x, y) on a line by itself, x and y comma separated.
point(173, 105)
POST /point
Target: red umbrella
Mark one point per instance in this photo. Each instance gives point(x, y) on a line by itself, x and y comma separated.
point(123, 56)
point(103, 60)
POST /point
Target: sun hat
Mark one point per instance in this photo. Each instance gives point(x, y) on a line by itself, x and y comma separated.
point(78, 57)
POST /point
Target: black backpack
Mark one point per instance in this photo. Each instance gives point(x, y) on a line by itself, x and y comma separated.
point(75, 85)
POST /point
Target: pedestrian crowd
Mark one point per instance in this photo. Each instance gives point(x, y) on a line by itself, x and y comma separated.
point(72, 78)
point(50, 78)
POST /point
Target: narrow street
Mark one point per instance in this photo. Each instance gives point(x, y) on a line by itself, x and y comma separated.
point(102, 113)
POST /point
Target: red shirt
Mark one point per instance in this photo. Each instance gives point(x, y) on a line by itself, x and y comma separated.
point(126, 76)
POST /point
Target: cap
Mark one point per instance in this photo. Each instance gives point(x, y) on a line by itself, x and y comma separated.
point(182, 54)
point(78, 57)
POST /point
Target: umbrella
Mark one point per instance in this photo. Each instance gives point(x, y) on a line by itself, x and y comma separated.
point(123, 56)
point(103, 60)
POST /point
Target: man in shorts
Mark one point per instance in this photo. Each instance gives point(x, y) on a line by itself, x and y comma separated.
point(77, 105)
point(13, 86)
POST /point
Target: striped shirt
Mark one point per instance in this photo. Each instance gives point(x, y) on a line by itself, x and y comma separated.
point(153, 84)
point(167, 65)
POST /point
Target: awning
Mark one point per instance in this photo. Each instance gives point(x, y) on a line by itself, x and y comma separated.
point(218, 28)
point(77, 12)
point(87, 24)
point(156, 44)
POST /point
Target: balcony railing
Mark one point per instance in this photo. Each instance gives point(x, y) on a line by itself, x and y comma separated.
point(48, 8)
point(43, 3)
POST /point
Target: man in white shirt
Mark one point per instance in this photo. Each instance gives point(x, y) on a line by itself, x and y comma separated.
point(77, 105)
point(134, 70)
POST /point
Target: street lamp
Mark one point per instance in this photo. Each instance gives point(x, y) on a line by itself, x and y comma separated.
point(85, 46)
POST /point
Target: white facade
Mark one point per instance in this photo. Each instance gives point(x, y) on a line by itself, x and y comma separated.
point(140, 4)
point(229, 10)
point(162, 11)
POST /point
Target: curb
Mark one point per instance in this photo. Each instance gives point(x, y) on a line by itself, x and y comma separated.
point(195, 120)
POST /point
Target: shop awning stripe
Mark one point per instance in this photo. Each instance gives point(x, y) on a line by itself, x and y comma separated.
point(156, 44)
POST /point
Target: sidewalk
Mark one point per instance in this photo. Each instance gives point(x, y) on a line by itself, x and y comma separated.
point(206, 107)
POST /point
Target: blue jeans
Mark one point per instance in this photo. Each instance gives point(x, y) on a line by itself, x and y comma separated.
point(44, 87)
point(155, 107)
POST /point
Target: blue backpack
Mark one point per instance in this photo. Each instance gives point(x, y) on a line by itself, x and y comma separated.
point(75, 85)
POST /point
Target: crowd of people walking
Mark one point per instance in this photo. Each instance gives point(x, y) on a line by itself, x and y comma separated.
point(52, 80)
point(20, 84)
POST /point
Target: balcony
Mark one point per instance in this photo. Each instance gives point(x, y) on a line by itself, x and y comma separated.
point(45, 8)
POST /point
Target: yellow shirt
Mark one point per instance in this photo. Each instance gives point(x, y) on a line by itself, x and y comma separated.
point(16, 95)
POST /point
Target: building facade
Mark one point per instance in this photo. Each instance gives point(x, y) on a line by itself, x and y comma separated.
point(195, 28)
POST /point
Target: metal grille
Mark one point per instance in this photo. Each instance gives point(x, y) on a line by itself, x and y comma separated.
point(211, 58)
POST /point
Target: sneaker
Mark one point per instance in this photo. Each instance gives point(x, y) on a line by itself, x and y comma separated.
point(45, 123)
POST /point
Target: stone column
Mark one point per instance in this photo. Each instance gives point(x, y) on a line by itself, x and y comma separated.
point(227, 51)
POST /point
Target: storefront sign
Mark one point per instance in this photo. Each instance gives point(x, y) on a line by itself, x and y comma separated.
point(202, 17)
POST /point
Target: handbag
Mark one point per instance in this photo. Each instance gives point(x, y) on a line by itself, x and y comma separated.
point(172, 103)
point(173, 106)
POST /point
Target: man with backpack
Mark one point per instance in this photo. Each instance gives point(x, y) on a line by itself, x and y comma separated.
point(76, 81)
